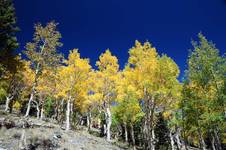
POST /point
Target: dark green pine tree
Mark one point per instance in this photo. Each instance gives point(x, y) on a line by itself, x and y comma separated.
point(8, 41)
point(162, 133)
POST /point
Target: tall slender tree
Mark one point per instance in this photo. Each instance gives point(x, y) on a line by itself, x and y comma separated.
point(155, 78)
point(204, 106)
point(73, 82)
point(42, 52)
point(107, 75)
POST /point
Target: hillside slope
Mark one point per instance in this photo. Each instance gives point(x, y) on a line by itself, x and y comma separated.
point(17, 132)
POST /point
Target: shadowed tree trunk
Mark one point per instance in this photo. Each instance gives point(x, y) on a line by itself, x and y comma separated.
point(132, 136)
point(201, 140)
point(217, 141)
point(149, 137)
point(213, 143)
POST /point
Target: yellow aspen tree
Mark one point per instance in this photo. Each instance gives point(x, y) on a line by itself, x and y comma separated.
point(42, 52)
point(155, 77)
point(45, 88)
point(128, 110)
point(12, 83)
point(73, 81)
point(107, 75)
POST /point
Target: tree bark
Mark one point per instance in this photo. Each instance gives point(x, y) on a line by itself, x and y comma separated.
point(126, 131)
point(68, 115)
point(153, 138)
point(132, 136)
point(89, 120)
point(71, 112)
point(8, 99)
point(61, 111)
point(33, 89)
point(177, 136)
point(42, 112)
point(108, 121)
point(29, 104)
point(38, 111)
point(213, 143)
point(171, 140)
point(149, 138)
point(201, 140)
point(218, 142)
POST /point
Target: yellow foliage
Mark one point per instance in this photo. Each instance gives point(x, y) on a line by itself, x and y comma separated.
point(73, 78)
point(17, 105)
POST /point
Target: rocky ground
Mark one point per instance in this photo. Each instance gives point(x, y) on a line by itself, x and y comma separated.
point(18, 133)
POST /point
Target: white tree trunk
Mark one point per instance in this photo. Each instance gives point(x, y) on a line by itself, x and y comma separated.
point(38, 111)
point(33, 88)
point(42, 113)
point(132, 136)
point(213, 143)
point(109, 121)
point(8, 99)
point(153, 139)
point(126, 132)
point(177, 136)
point(171, 140)
point(201, 140)
point(29, 104)
point(89, 120)
point(68, 115)
point(217, 140)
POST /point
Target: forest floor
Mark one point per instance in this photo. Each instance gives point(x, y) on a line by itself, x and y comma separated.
point(17, 132)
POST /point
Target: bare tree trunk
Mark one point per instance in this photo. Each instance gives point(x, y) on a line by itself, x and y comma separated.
point(177, 136)
point(38, 111)
point(42, 112)
point(218, 142)
point(213, 143)
point(149, 138)
point(8, 99)
point(61, 111)
point(90, 120)
point(108, 121)
point(171, 140)
point(105, 129)
point(68, 115)
point(126, 131)
point(201, 140)
point(71, 112)
point(29, 104)
point(87, 120)
point(33, 90)
point(132, 136)
point(153, 138)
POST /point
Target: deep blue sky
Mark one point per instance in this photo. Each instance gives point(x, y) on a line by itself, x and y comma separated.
point(95, 25)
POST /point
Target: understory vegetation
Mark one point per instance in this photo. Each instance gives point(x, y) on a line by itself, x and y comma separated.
point(144, 104)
